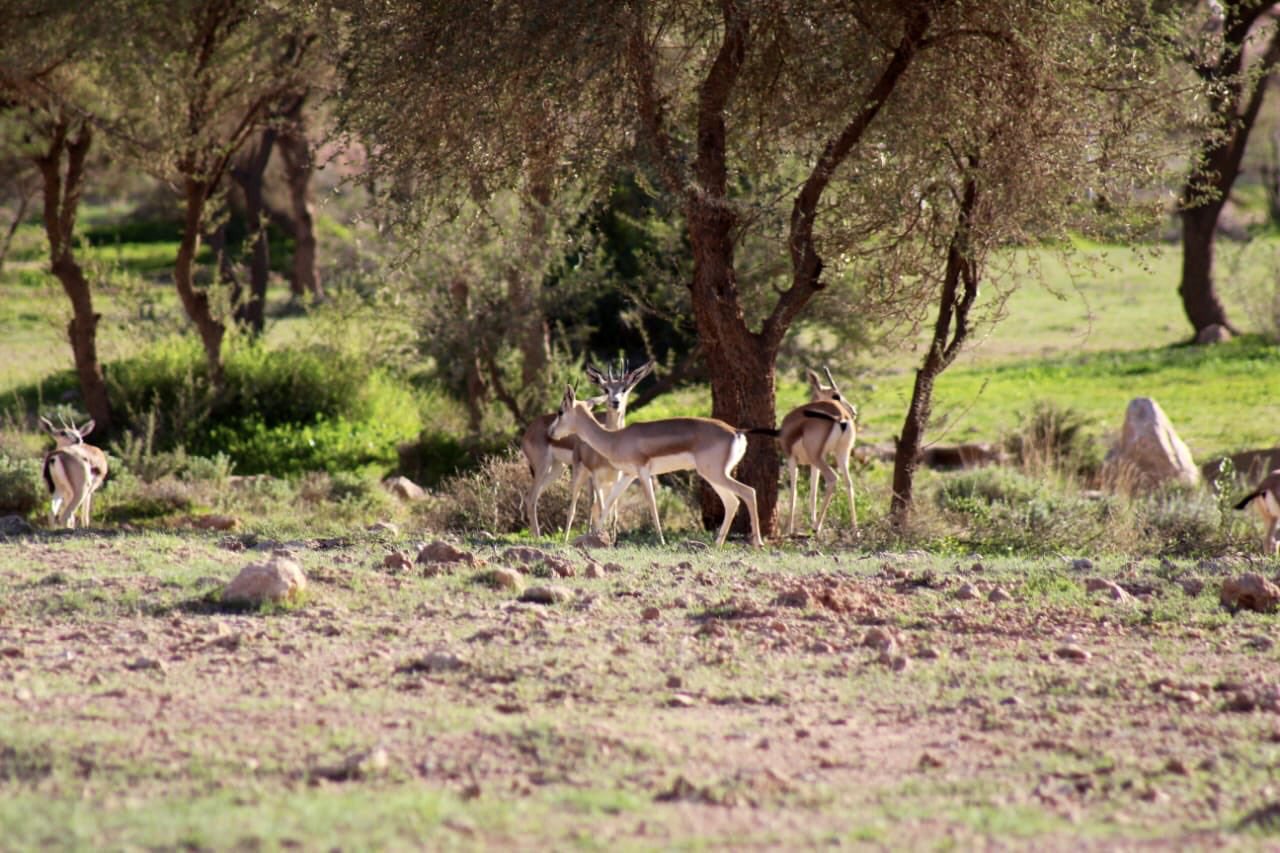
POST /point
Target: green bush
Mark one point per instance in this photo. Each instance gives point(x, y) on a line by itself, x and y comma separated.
point(281, 411)
point(21, 488)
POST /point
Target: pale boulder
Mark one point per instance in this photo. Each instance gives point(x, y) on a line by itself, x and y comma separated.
point(276, 579)
point(1150, 452)
point(404, 488)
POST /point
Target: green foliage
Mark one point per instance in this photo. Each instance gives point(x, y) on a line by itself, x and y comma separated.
point(21, 488)
point(282, 411)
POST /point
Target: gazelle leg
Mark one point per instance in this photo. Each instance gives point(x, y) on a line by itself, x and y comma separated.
point(616, 492)
point(848, 479)
point(735, 491)
point(540, 482)
point(813, 492)
point(828, 477)
point(1273, 537)
point(730, 501)
point(580, 475)
point(646, 481)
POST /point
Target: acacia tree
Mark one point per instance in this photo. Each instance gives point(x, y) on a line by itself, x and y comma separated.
point(714, 98)
point(42, 70)
point(213, 73)
point(1061, 112)
point(1237, 87)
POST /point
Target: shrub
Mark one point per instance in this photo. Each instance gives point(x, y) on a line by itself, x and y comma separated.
point(282, 411)
point(22, 489)
point(1054, 439)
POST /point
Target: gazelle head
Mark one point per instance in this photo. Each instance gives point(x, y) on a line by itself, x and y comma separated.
point(617, 387)
point(571, 408)
point(819, 392)
point(67, 434)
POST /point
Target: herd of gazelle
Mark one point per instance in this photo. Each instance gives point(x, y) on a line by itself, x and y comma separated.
point(613, 456)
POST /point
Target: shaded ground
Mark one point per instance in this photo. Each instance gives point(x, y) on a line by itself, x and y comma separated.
point(683, 698)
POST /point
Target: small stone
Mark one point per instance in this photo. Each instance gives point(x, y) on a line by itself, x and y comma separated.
point(277, 579)
point(440, 551)
point(546, 594)
point(927, 653)
point(215, 522)
point(1191, 586)
point(437, 661)
point(1260, 643)
point(397, 561)
point(797, 597)
point(404, 488)
point(1177, 766)
point(966, 592)
point(12, 652)
point(1214, 333)
point(593, 540)
point(1250, 591)
point(144, 663)
point(929, 761)
point(877, 637)
point(822, 647)
point(681, 700)
point(778, 626)
point(1072, 652)
point(593, 570)
point(998, 595)
point(1011, 701)
point(1082, 564)
point(524, 554)
point(613, 567)
point(651, 614)
point(388, 527)
point(1113, 590)
point(505, 578)
point(561, 566)
point(675, 682)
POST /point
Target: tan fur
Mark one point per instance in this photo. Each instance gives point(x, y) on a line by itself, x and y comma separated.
point(548, 458)
point(75, 470)
point(1266, 497)
point(643, 451)
point(808, 440)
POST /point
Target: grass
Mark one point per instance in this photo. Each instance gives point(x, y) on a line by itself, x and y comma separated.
point(560, 727)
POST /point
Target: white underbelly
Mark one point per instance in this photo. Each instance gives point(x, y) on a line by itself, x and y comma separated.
point(562, 455)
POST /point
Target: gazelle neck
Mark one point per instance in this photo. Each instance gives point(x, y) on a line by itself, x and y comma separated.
point(589, 430)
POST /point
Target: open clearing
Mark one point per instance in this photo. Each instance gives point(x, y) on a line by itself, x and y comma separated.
point(683, 698)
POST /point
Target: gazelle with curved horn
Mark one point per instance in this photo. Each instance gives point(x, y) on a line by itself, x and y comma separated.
point(73, 471)
point(547, 458)
point(811, 433)
point(1266, 497)
point(642, 451)
point(587, 463)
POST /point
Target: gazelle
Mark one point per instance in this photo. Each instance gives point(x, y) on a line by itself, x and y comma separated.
point(823, 427)
point(548, 458)
point(587, 463)
point(643, 451)
point(1266, 497)
point(73, 471)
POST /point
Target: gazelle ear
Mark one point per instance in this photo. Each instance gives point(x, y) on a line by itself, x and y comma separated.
point(568, 399)
point(813, 379)
point(594, 374)
point(48, 426)
point(593, 402)
point(86, 428)
point(636, 376)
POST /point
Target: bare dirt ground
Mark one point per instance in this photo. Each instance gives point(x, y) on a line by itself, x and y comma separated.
point(682, 698)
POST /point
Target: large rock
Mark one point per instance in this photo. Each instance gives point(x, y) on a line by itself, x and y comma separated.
point(1149, 452)
point(404, 488)
point(274, 580)
point(1250, 591)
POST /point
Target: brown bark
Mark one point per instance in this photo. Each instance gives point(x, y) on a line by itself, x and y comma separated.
point(195, 301)
point(1216, 171)
point(24, 201)
point(295, 153)
point(61, 205)
point(959, 292)
point(251, 312)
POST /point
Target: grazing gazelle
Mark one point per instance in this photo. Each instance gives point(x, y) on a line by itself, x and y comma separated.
point(812, 432)
point(643, 451)
point(73, 471)
point(1266, 497)
point(548, 458)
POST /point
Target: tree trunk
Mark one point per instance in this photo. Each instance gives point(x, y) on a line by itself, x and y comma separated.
point(1199, 295)
point(1219, 163)
point(24, 200)
point(740, 363)
point(295, 153)
point(61, 205)
point(251, 313)
point(950, 330)
point(196, 302)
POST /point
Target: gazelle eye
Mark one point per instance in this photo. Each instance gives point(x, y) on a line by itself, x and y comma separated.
point(835, 396)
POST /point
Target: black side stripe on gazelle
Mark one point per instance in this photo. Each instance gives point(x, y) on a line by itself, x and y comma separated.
point(827, 416)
